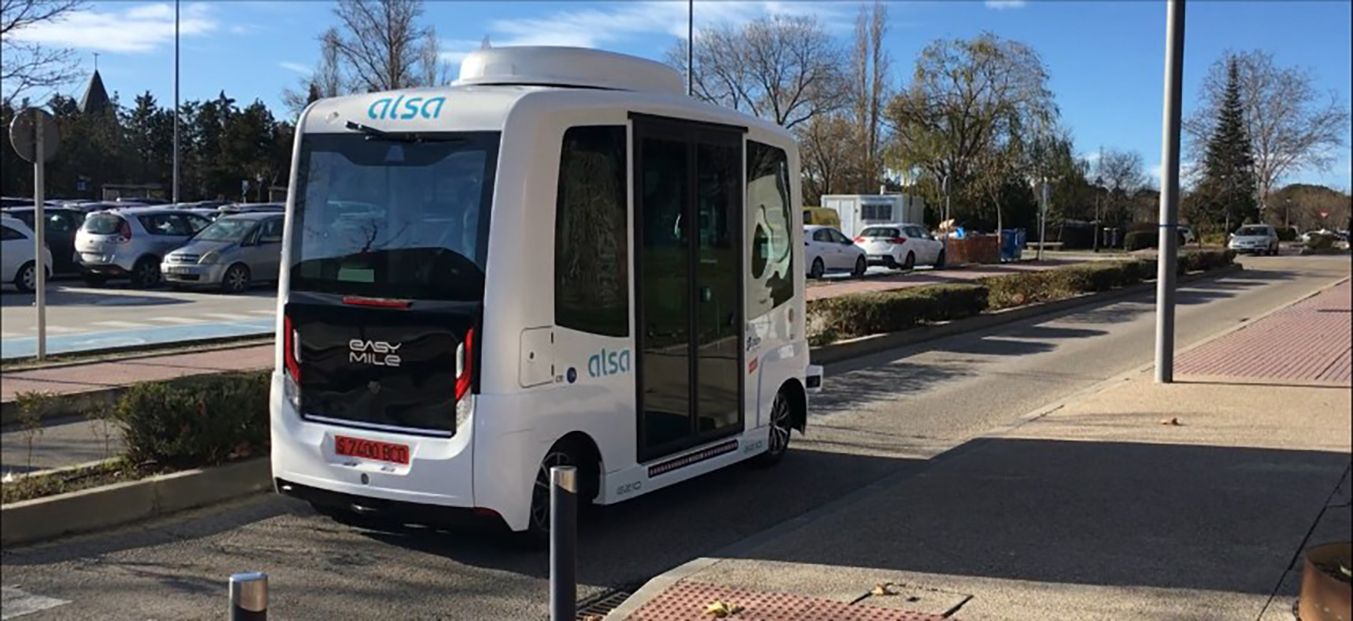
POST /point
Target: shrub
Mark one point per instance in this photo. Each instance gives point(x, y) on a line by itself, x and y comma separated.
point(1057, 284)
point(1137, 240)
point(1287, 233)
point(861, 314)
point(1319, 241)
point(195, 421)
point(1204, 260)
point(1214, 239)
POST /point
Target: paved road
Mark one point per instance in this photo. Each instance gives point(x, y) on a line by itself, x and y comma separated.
point(880, 414)
point(81, 318)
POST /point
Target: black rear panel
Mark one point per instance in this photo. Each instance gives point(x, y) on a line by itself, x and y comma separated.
point(379, 367)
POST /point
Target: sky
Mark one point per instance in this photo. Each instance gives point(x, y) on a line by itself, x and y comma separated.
point(1105, 58)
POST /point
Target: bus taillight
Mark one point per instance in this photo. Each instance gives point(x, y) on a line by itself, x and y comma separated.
point(291, 358)
point(464, 358)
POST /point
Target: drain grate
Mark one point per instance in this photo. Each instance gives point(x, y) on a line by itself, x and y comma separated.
point(596, 607)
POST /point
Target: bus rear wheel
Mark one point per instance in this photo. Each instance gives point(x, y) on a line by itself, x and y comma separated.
point(781, 424)
point(567, 452)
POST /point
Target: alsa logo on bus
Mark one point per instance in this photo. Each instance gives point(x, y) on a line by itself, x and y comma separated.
point(375, 353)
point(399, 108)
point(609, 363)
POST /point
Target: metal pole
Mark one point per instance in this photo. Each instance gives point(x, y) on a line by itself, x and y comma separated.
point(176, 102)
point(563, 543)
point(249, 596)
point(690, 47)
point(1046, 196)
point(39, 232)
point(944, 234)
point(1169, 191)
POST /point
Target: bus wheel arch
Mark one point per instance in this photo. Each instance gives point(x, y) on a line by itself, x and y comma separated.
point(798, 403)
point(587, 457)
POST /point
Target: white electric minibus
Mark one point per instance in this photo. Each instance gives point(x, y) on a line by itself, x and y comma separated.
point(559, 259)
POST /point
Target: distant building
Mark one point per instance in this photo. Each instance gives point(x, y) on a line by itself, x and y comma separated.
point(95, 100)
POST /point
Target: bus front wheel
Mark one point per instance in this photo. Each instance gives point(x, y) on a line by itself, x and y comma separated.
point(781, 424)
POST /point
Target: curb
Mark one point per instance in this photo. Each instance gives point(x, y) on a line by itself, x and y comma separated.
point(123, 503)
point(866, 345)
point(135, 352)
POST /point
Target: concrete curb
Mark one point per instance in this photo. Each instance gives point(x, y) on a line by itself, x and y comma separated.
point(123, 503)
point(866, 345)
point(211, 341)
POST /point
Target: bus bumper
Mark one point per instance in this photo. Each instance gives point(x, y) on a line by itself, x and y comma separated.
point(813, 379)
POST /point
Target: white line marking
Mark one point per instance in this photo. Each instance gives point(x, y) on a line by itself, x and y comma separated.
point(227, 316)
point(17, 603)
point(270, 312)
point(121, 324)
point(175, 319)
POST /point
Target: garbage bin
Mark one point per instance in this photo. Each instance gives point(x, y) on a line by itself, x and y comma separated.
point(1012, 244)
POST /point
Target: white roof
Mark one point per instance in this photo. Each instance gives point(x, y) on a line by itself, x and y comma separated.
point(568, 66)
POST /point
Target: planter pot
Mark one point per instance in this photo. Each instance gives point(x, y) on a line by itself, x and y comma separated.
point(1323, 596)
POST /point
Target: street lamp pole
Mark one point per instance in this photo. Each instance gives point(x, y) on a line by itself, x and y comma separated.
point(1169, 192)
point(690, 47)
point(175, 190)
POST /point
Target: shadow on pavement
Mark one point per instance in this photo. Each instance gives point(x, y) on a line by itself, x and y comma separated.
point(1093, 513)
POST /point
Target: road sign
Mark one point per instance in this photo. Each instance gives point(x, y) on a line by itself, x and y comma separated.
point(23, 134)
point(1324, 214)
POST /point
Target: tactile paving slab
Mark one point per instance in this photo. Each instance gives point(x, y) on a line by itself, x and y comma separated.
point(1305, 342)
point(689, 600)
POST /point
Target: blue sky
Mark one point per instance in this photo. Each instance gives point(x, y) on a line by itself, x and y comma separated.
point(1105, 58)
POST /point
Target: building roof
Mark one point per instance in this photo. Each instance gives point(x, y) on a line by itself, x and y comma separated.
point(95, 98)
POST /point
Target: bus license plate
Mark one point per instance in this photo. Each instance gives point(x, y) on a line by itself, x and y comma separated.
point(371, 449)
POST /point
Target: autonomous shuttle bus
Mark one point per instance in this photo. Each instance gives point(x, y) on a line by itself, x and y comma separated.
point(559, 259)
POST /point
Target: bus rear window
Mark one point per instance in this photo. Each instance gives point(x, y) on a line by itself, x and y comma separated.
point(384, 217)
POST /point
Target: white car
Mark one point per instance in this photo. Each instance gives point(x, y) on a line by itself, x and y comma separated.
point(901, 246)
point(16, 255)
point(827, 249)
point(1256, 238)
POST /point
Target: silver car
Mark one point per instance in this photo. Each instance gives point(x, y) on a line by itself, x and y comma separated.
point(232, 253)
point(1256, 238)
point(131, 242)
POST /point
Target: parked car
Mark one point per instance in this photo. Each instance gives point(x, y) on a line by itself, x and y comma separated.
point(12, 201)
point(132, 242)
point(1255, 238)
point(253, 207)
point(1186, 235)
point(16, 254)
point(823, 216)
point(901, 245)
point(827, 249)
point(58, 234)
point(232, 253)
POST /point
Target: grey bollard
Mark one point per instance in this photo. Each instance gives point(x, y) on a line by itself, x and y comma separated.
point(249, 596)
point(563, 543)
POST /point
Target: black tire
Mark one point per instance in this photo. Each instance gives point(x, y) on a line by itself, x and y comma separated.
point(26, 279)
point(817, 270)
point(781, 424)
point(910, 262)
point(146, 273)
point(939, 261)
point(537, 533)
point(236, 279)
point(860, 267)
point(94, 280)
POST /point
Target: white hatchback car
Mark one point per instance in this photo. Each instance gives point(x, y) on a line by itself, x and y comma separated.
point(16, 255)
point(829, 250)
point(1255, 238)
point(901, 246)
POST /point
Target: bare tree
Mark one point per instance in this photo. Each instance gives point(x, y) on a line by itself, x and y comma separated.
point(27, 65)
point(785, 69)
point(1291, 126)
point(869, 72)
point(829, 153)
point(325, 81)
point(1121, 171)
point(435, 71)
point(378, 43)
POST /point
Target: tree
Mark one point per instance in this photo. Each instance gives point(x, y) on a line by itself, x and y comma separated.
point(148, 134)
point(967, 98)
point(325, 81)
point(785, 69)
point(1120, 175)
point(828, 152)
point(1291, 127)
point(1310, 207)
point(869, 88)
point(378, 44)
point(28, 65)
point(1226, 191)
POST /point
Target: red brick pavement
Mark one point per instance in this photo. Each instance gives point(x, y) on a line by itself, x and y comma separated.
point(100, 375)
point(1306, 342)
point(689, 601)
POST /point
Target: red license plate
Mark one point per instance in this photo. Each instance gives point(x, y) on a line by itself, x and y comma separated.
point(371, 449)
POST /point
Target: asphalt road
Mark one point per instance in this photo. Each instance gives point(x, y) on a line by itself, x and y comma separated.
point(879, 415)
point(83, 318)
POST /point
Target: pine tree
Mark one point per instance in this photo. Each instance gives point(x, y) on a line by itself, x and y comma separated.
point(1228, 187)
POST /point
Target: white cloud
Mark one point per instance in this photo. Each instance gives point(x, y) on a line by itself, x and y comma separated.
point(297, 67)
point(137, 29)
point(621, 21)
point(1001, 5)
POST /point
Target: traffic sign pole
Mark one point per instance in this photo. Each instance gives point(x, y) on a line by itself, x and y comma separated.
point(39, 226)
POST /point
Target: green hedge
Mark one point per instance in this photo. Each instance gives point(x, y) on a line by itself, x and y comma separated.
point(1319, 241)
point(1057, 284)
point(861, 314)
point(1204, 260)
point(195, 421)
point(1137, 240)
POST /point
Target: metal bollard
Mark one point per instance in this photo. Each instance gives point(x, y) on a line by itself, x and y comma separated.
point(563, 543)
point(249, 596)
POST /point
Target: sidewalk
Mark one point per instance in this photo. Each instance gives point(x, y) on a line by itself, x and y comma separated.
point(1140, 501)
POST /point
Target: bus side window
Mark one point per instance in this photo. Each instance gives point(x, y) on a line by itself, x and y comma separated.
point(591, 232)
point(771, 268)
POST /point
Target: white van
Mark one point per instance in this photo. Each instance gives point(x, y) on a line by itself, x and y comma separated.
point(559, 259)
